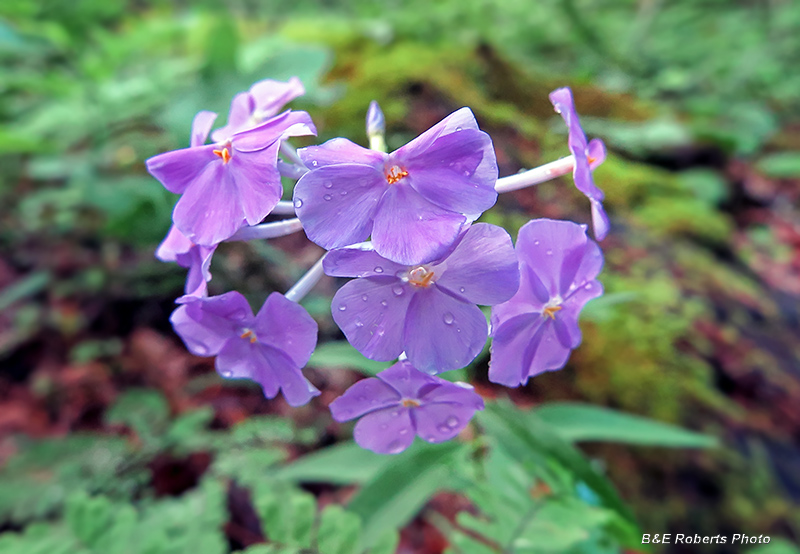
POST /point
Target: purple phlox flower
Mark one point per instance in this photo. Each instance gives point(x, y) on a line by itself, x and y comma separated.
point(536, 330)
point(264, 100)
point(427, 310)
point(414, 202)
point(177, 248)
point(270, 348)
point(227, 185)
point(587, 157)
point(403, 402)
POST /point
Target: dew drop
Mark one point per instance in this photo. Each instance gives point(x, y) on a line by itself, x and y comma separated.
point(448, 318)
point(328, 185)
point(443, 428)
point(359, 323)
point(327, 197)
point(342, 307)
point(536, 243)
point(398, 290)
point(403, 432)
point(549, 252)
point(378, 269)
point(462, 289)
point(226, 373)
point(298, 203)
point(343, 192)
point(384, 303)
point(466, 173)
point(452, 422)
point(458, 128)
point(395, 447)
point(364, 297)
point(588, 286)
point(314, 163)
point(200, 350)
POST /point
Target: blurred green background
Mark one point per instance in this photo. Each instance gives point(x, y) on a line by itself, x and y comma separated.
point(104, 417)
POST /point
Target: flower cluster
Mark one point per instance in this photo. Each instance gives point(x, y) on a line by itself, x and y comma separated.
point(401, 225)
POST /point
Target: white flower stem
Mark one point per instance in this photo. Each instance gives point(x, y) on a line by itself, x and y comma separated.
point(284, 207)
point(536, 175)
point(291, 153)
point(268, 230)
point(306, 282)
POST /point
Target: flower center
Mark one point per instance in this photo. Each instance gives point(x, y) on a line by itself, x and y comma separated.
point(224, 153)
point(550, 309)
point(395, 173)
point(248, 334)
point(421, 277)
point(409, 403)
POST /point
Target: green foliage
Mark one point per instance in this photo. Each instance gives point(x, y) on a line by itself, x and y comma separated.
point(575, 422)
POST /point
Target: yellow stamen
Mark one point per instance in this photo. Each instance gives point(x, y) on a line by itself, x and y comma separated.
point(550, 311)
point(410, 403)
point(224, 154)
point(395, 174)
point(420, 277)
point(249, 335)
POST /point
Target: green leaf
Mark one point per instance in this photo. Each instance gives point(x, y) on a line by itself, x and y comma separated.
point(782, 165)
point(341, 464)
point(339, 531)
point(25, 287)
point(577, 422)
point(394, 495)
point(340, 355)
point(145, 411)
point(528, 439)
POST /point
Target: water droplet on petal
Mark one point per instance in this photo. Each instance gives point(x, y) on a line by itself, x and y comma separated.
point(448, 318)
point(398, 290)
point(458, 128)
point(461, 289)
point(536, 243)
point(327, 197)
point(588, 286)
point(464, 385)
point(378, 269)
point(443, 428)
point(549, 252)
point(384, 303)
point(314, 163)
point(298, 204)
point(342, 307)
point(343, 192)
point(364, 297)
point(452, 422)
point(396, 447)
point(403, 432)
point(226, 373)
point(328, 185)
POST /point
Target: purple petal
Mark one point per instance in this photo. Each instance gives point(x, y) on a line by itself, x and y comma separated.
point(288, 124)
point(545, 351)
point(458, 172)
point(206, 324)
point(363, 397)
point(258, 181)
point(410, 230)
point(210, 210)
point(454, 393)
point(337, 203)
point(408, 381)
point(600, 224)
point(341, 151)
point(361, 261)
point(288, 327)
point(199, 262)
point(544, 245)
point(457, 121)
point(176, 170)
point(201, 126)
point(507, 364)
point(441, 422)
point(597, 153)
point(270, 96)
point(371, 312)
point(239, 117)
point(271, 368)
point(442, 333)
point(567, 318)
point(387, 431)
point(483, 266)
point(174, 243)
